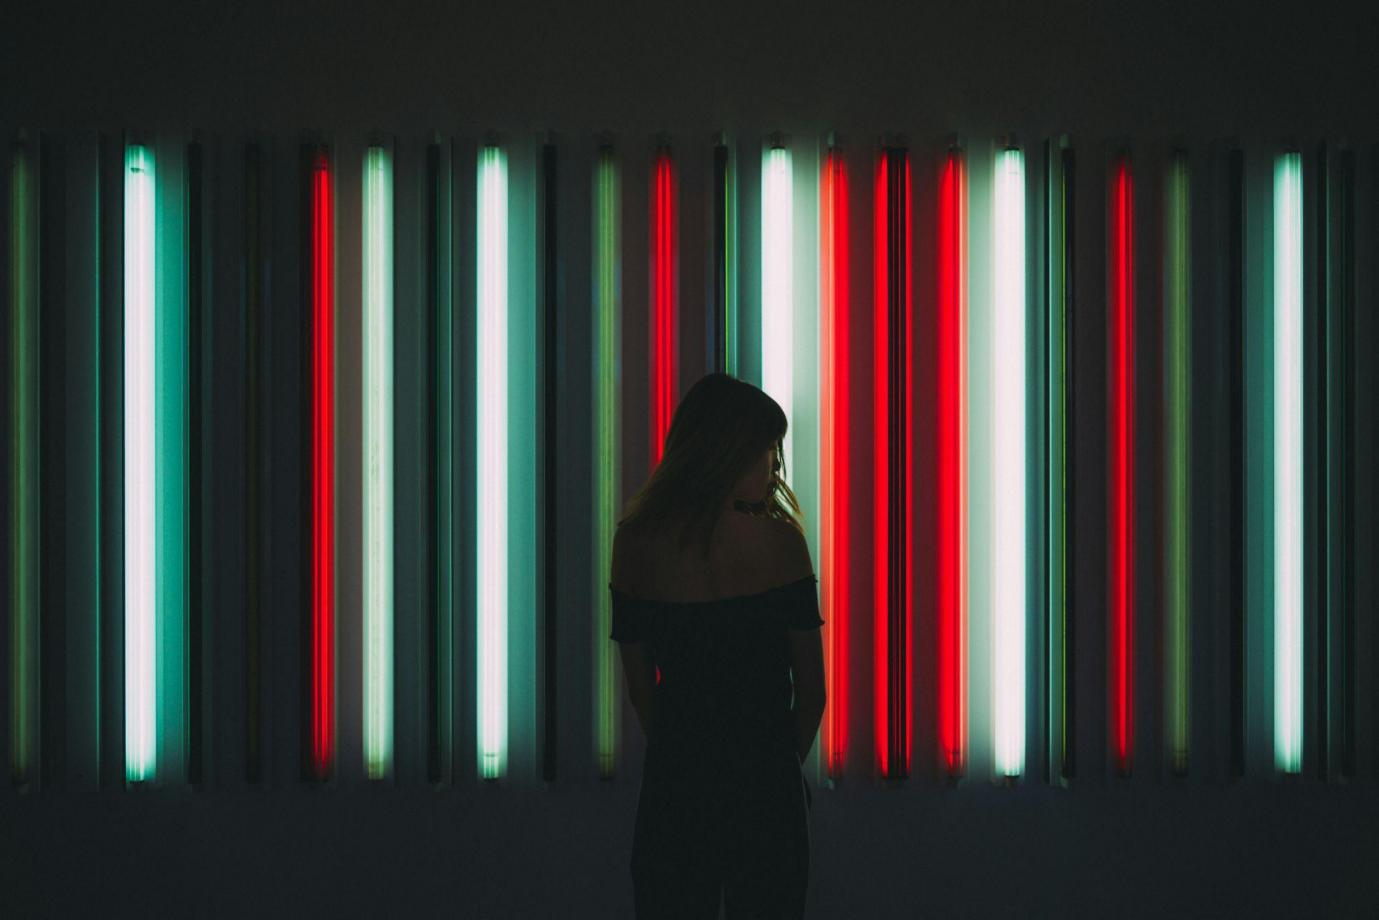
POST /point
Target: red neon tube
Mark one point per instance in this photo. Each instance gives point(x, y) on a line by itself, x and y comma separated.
point(1121, 477)
point(323, 469)
point(664, 346)
point(893, 380)
point(836, 438)
point(951, 574)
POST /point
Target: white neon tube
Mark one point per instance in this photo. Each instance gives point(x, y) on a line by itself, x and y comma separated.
point(492, 407)
point(1288, 471)
point(1008, 600)
point(777, 339)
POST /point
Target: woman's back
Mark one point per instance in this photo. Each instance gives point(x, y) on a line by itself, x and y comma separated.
point(723, 801)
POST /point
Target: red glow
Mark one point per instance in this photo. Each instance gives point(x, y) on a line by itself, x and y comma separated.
point(892, 256)
point(323, 470)
point(880, 471)
point(1122, 458)
point(663, 307)
point(836, 537)
point(951, 466)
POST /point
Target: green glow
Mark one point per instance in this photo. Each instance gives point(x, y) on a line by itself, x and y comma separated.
point(24, 518)
point(1288, 463)
point(730, 332)
point(1008, 427)
point(492, 408)
point(606, 322)
point(777, 297)
point(1056, 333)
point(378, 462)
point(1177, 435)
point(140, 451)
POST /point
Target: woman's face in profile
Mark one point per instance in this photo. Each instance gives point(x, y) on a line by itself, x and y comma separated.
point(755, 484)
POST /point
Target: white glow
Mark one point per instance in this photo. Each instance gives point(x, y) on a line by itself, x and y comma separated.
point(1008, 601)
point(777, 304)
point(1288, 471)
point(491, 397)
point(140, 509)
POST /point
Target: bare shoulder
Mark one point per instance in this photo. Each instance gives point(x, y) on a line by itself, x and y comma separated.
point(787, 549)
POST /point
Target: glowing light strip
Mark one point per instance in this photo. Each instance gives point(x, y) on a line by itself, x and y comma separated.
point(1288, 470)
point(893, 480)
point(24, 518)
point(1008, 442)
point(835, 534)
point(491, 400)
point(1121, 324)
point(723, 335)
point(1059, 390)
point(606, 322)
point(777, 304)
point(140, 355)
point(322, 683)
point(1177, 440)
point(378, 462)
point(952, 464)
point(664, 316)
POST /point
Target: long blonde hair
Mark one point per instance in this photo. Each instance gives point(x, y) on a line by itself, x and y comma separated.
point(721, 427)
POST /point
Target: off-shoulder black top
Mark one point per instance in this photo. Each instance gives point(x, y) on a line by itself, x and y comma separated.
point(724, 664)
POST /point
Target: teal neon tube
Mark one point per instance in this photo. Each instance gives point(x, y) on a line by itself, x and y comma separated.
point(378, 462)
point(1177, 381)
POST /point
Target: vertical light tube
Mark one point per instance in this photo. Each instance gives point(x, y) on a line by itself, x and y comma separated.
point(24, 472)
point(606, 378)
point(322, 477)
point(254, 285)
point(952, 463)
point(491, 500)
point(1121, 481)
point(141, 639)
point(1288, 470)
point(835, 534)
point(1008, 449)
point(378, 462)
point(664, 315)
point(893, 480)
point(723, 334)
point(777, 298)
point(1059, 404)
point(1177, 460)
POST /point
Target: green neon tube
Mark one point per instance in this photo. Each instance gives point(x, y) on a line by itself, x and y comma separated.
point(378, 462)
point(492, 407)
point(607, 320)
point(777, 296)
point(1288, 469)
point(730, 270)
point(1177, 438)
point(24, 519)
point(1008, 427)
point(141, 674)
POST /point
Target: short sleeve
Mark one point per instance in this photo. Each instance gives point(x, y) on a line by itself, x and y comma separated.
point(627, 618)
point(802, 605)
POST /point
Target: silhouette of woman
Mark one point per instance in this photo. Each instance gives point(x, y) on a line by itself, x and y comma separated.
point(715, 609)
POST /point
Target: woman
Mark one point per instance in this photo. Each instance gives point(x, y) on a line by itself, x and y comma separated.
point(715, 607)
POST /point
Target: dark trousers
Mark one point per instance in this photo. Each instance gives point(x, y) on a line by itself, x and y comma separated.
point(734, 826)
